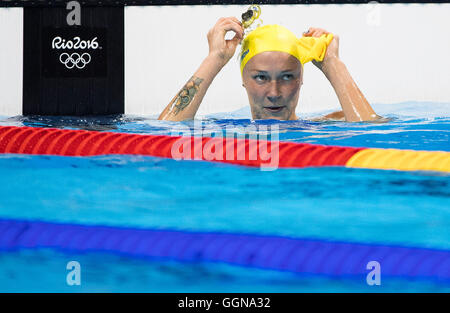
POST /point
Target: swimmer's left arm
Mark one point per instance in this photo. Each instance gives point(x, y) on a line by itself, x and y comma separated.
point(355, 106)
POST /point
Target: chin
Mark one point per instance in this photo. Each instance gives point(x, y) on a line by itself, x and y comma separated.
point(270, 117)
point(280, 118)
point(282, 115)
point(262, 114)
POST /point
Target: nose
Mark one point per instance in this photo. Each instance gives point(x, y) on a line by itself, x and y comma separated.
point(274, 93)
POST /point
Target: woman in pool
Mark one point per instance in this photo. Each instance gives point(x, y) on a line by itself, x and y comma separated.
point(272, 79)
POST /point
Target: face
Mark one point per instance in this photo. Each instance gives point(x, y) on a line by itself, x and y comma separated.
point(272, 80)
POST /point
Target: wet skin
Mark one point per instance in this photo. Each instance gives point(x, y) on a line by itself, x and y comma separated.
point(272, 80)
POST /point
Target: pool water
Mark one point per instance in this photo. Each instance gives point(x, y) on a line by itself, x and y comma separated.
point(410, 209)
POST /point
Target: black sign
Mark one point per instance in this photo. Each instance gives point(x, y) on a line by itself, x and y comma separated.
point(74, 52)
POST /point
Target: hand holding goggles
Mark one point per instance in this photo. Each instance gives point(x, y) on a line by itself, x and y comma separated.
point(252, 14)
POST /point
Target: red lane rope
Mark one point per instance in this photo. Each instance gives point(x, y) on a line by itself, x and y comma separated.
point(50, 141)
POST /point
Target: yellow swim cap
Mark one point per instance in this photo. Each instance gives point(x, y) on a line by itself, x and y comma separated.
point(279, 38)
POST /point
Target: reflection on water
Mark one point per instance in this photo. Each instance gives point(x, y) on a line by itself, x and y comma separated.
point(344, 204)
point(420, 126)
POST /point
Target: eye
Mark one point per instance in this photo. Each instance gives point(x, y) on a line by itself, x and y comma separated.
point(260, 78)
point(287, 77)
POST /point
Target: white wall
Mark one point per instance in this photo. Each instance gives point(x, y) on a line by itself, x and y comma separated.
point(394, 52)
point(11, 61)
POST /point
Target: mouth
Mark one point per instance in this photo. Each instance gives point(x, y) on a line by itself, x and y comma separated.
point(274, 109)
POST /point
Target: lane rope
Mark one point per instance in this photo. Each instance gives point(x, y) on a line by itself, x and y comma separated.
point(297, 255)
point(247, 152)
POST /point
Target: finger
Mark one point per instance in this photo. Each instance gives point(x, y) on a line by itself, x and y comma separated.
point(220, 20)
point(317, 33)
point(232, 44)
point(235, 41)
point(234, 27)
point(231, 19)
point(237, 30)
point(321, 30)
point(235, 19)
point(310, 31)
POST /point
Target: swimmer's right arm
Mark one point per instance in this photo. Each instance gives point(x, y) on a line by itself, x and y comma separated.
point(185, 104)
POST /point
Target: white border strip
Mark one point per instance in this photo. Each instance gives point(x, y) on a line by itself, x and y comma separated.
point(11, 61)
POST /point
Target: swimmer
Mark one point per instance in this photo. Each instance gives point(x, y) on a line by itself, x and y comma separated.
point(272, 78)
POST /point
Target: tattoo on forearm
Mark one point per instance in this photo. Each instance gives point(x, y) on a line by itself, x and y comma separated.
point(186, 95)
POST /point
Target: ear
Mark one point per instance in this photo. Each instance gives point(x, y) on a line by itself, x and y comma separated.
point(301, 75)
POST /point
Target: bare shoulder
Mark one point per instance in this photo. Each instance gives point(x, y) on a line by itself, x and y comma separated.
point(339, 116)
point(335, 116)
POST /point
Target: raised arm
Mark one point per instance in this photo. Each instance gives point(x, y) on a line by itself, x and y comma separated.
point(354, 105)
point(185, 104)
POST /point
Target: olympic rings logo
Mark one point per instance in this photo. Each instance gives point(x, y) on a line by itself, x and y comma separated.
point(75, 59)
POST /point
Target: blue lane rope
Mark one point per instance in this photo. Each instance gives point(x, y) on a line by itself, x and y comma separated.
point(335, 259)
